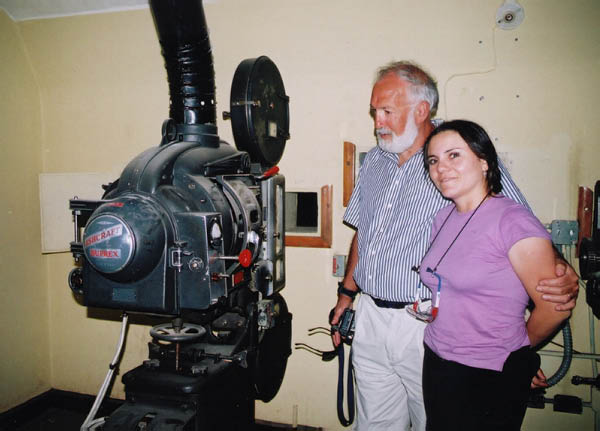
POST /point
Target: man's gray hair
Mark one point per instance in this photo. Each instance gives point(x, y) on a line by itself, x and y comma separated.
point(423, 87)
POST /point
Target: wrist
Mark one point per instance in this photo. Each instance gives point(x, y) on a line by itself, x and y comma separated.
point(347, 292)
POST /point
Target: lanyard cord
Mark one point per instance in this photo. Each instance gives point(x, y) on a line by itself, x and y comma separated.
point(457, 235)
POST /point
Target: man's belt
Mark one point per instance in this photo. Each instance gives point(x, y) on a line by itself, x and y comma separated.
point(382, 303)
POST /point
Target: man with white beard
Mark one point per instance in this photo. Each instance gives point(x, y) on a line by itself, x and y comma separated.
point(398, 144)
point(392, 208)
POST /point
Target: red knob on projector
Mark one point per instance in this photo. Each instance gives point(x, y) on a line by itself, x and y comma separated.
point(270, 172)
point(245, 258)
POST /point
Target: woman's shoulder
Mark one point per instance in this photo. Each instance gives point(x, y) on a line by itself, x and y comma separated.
point(504, 206)
point(516, 222)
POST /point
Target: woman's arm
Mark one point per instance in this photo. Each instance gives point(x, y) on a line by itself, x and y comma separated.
point(533, 260)
point(562, 287)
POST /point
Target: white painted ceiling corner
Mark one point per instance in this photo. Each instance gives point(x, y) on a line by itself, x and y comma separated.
point(23, 10)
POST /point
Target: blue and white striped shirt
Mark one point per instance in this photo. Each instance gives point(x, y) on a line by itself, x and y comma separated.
point(393, 208)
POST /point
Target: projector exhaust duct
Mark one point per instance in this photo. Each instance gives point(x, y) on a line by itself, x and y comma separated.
point(183, 36)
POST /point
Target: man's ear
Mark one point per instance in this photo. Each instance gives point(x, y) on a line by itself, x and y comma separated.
point(422, 112)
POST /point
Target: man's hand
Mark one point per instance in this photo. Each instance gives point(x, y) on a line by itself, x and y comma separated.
point(342, 303)
point(563, 289)
point(539, 380)
point(345, 301)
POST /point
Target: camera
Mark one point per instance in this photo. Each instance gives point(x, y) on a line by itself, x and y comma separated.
point(345, 325)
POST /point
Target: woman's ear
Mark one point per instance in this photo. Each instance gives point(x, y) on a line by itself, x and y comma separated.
point(484, 166)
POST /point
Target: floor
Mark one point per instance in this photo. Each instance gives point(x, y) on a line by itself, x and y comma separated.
point(52, 411)
point(65, 411)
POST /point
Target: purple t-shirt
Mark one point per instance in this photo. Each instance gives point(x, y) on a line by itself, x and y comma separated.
point(481, 312)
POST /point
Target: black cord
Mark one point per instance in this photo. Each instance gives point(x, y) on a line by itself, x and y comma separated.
point(319, 330)
point(562, 347)
point(326, 355)
point(457, 235)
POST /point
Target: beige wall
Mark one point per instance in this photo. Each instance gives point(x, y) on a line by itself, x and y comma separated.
point(24, 367)
point(104, 94)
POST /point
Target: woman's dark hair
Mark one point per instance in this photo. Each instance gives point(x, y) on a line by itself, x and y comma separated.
point(478, 141)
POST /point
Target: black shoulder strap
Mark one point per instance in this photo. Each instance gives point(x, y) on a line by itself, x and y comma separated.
point(350, 388)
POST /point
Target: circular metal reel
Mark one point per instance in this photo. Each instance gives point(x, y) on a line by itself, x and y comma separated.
point(259, 111)
point(187, 332)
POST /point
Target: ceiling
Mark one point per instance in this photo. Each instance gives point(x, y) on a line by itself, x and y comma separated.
point(22, 10)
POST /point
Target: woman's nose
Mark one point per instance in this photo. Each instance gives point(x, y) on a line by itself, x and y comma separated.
point(441, 166)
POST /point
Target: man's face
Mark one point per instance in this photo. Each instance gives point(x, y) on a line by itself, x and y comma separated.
point(393, 114)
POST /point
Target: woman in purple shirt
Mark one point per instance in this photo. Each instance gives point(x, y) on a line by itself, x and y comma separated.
point(486, 256)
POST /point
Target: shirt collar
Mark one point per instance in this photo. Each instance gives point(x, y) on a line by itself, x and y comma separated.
point(393, 157)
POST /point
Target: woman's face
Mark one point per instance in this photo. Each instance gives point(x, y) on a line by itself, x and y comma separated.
point(455, 169)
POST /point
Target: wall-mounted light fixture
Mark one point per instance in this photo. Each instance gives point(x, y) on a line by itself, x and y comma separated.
point(510, 15)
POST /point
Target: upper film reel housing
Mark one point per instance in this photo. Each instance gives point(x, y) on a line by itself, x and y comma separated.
point(259, 111)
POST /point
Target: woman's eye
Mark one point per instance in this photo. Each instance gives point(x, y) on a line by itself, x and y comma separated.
point(431, 161)
point(453, 155)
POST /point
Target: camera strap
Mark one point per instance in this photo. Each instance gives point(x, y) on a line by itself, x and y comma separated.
point(340, 389)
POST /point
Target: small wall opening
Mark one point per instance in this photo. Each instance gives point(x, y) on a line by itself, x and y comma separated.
point(302, 212)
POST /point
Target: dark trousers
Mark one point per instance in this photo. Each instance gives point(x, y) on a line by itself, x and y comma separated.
point(459, 397)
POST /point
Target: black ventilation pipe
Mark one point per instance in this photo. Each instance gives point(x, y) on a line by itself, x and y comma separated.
point(183, 36)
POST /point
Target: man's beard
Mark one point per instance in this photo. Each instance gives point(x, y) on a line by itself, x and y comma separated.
point(398, 144)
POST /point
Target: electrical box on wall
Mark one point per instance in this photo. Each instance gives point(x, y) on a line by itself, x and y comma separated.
point(339, 265)
point(564, 232)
